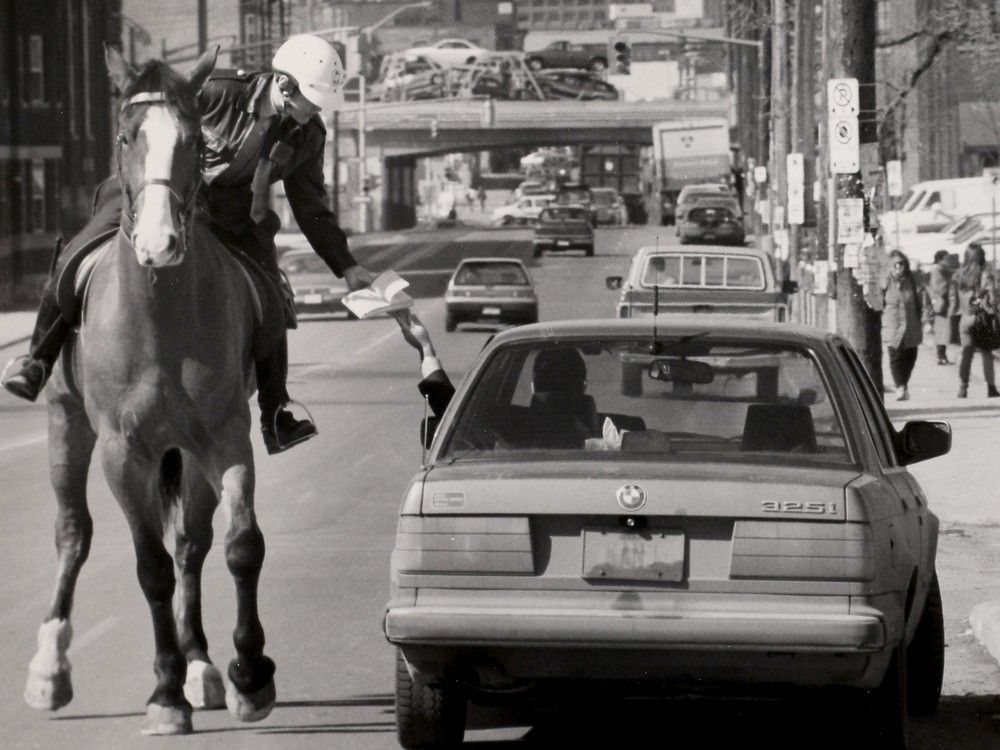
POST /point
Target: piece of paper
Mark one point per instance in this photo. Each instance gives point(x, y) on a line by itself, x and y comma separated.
point(385, 295)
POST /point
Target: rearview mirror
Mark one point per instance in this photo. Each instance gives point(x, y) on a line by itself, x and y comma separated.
point(613, 282)
point(428, 427)
point(919, 441)
point(681, 371)
point(789, 287)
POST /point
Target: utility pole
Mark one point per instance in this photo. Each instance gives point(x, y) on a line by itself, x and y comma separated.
point(851, 38)
point(202, 25)
point(779, 112)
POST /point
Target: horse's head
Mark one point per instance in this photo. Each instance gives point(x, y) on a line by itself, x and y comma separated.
point(159, 150)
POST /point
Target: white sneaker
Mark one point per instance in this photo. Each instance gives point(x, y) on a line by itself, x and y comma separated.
point(902, 394)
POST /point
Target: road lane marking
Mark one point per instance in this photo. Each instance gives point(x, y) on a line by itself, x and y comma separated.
point(91, 635)
point(379, 341)
point(24, 443)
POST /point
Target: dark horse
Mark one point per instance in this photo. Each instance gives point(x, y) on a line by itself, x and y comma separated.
point(158, 378)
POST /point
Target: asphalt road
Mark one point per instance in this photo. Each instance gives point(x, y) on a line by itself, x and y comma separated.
point(328, 513)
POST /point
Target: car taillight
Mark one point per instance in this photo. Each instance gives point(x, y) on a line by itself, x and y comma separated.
point(463, 544)
point(802, 550)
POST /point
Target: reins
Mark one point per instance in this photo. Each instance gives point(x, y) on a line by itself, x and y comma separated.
point(186, 205)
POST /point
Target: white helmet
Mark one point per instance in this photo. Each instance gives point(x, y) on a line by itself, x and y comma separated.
point(315, 66)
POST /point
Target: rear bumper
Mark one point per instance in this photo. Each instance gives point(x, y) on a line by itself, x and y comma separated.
point(722, 631)
point(512, 309)
point(563, 243)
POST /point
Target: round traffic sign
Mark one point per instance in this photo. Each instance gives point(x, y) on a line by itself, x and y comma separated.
point(843, 131)
point(842, 94)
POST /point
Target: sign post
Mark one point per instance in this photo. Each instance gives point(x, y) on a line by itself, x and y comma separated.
point(845, 149)
point(795, 173)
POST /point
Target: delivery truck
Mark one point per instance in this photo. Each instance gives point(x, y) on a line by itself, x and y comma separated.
point(688, 152)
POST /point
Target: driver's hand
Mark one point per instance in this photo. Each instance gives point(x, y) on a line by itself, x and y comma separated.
point(415, 333)
point(358, 277)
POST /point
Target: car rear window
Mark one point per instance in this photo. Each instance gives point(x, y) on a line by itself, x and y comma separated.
point(710, 213)
point(565, 214)
point(717, 271)
point(574, 196)
point(604, 199)
point(491, 274)
point(606, 400)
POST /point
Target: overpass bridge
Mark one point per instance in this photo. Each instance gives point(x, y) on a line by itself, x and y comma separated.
point(396, 134)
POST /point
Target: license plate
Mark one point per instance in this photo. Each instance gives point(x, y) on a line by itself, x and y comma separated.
point(635, 555)
point(563, 243)
point(491, 311)
point(311, 299)
point(709, 236)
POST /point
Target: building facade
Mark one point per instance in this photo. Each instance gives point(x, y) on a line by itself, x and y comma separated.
point(55, 130)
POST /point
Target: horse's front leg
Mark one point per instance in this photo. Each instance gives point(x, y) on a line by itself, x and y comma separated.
point(250, 695)
point(135, 481)
point(71, 443)
point(203, 687)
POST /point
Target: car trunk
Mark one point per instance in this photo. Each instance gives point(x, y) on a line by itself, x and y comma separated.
point(710, 527)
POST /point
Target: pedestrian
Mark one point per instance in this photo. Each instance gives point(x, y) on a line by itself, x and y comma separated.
point(481, 194)
point(902, 314)
point(938, 285)
point(972, 283)
point(264, 127)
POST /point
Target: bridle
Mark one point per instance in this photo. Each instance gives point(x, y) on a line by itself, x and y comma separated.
point(186, 205)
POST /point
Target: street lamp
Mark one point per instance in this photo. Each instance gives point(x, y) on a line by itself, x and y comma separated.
point(366, 32)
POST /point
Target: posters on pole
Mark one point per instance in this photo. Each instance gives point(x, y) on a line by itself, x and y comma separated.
point(850, 221)
point(821, 276)
point(795, 172)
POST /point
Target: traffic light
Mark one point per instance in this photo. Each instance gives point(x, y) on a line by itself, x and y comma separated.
point(623, 55)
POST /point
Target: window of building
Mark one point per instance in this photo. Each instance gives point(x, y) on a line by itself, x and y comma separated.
point(36, 216)
point(883, 18)
point(36, 67)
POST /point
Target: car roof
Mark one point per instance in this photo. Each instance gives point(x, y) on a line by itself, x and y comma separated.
point(671, 325)
point(492, 259)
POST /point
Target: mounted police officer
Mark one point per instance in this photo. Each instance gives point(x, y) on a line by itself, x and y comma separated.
point(258, 128)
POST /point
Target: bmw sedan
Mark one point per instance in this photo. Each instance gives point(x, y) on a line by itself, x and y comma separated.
point(658, 507)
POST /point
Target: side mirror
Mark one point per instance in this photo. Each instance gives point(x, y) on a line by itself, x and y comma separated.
point(613, 282)
point(789, 287)
point(919, 440)
point(428, 427)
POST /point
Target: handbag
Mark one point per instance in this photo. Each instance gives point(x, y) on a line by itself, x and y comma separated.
point(984, 331)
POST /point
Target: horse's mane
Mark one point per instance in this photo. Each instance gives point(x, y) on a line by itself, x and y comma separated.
point(156, 75)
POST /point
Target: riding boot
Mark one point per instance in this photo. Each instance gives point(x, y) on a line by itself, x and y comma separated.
point(280, 427)
point(25, 376)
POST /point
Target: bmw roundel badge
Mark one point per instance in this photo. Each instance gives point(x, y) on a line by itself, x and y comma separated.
point(631, 497)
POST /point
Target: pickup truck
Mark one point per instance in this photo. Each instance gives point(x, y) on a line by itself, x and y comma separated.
point(738, 281)
point(564, 54)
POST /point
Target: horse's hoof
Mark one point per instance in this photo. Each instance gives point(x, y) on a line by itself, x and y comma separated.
point(48, 692)
point(204, 687)
point(252, 707)
point(166, 720)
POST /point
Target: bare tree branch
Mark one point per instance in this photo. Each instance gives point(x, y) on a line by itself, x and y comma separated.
point(903, 39)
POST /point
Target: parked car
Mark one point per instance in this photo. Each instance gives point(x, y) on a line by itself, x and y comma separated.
point(564, 228)
point(313, 284)
point(494, 290)
point(635, 208)
point(607, 508)
point(571, 84)
point(691, 194)
point(523, 211)
point(607, 206)
point(448, 52)
point(565, 54)
point(732, 281)
point(712, 220)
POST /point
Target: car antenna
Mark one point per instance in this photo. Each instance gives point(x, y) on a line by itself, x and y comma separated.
point(654, 345)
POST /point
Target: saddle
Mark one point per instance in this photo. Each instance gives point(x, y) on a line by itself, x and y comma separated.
point(267, 298)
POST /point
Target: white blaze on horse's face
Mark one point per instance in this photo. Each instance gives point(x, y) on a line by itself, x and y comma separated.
point(156, 234)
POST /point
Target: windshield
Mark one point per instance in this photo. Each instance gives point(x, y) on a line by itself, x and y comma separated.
point(491, 274)
point(599, 400)
point(912, 198)
point(604, 199)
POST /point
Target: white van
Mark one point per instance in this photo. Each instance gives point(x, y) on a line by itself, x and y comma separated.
point(932, 205)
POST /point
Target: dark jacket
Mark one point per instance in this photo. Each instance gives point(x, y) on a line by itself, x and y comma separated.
point(231, 102)
point(939, 281)
point(438, 391)
point(902, 313)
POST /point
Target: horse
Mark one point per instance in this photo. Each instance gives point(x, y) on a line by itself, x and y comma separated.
point(157, 378)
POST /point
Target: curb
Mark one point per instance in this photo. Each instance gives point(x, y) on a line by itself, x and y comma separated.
point(985, 621)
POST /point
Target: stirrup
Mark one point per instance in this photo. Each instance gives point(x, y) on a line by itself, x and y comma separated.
point(280, 447)
point(21, 384)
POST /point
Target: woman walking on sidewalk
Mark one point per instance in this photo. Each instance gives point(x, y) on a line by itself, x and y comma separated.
point(972, 281)
point(902, 330)
point(938, 286)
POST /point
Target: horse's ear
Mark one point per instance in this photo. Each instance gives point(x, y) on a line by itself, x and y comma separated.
point(203, 68)
point(120, 72)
